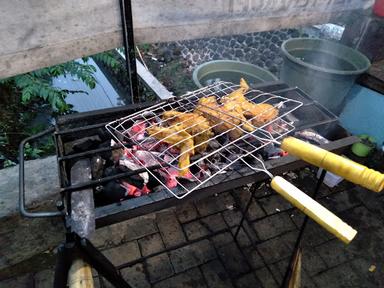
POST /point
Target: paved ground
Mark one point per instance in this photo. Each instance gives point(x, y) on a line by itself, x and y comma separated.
point(201, 251)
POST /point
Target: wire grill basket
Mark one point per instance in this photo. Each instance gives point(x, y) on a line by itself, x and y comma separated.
point(193, 138)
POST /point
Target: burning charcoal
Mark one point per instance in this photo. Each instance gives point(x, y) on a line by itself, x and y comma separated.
point(137, 131)
point(82, 144)
point(112, 192)
point(104, 135)
point(153, 182)
point(135, 180)
point(223, 139)
point(214, 144)
point(97, 166)
point(117, 154)
point(133, 166)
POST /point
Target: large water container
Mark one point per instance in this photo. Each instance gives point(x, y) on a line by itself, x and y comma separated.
point(325, 70)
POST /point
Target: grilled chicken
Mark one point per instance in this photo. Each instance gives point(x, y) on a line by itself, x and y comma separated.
point(195, 124)
point(182, 140)
point(223, 117)
point(259, 114)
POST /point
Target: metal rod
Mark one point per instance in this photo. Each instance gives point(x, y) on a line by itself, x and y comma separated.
point(22, 208)
point(244, 214)
point(89, 152)
point(129, 46)
point(288, 272)
point(107, 179)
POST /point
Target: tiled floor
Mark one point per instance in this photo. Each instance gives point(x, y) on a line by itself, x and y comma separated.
point(201, 251)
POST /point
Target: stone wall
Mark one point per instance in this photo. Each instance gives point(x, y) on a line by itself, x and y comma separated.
point(259, 48)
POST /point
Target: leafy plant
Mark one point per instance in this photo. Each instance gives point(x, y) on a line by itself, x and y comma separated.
point(38, 84)
point(107, 58)
point(32, 152)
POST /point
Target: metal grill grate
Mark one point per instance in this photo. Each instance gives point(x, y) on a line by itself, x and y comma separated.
point(219, 139)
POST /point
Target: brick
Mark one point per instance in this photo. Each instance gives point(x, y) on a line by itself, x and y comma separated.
point(273, 226)
point(109, 236)
point(341, 276)
point(222, 239)
point(215, 204)
point(194, 230)
point(279, 269)
point(297, 217)
point(247, 281)
point(186, 212)
point(159, 267)
point(290, 239)
point(233, 260)
point(44, 279)
point(306, 280)
point(334, 252)
point(192, 255)
point(254, 258)
point(242, 238)
point(274, 203)
point(312, 262)
point(214, 223)
point(266, 278)
point(116, 234)
point(189, 279)
point(361, 266)
point(255, 211)
point(273, 250)
point(135, 276)
point(20, 281)
point(340, 201)
point(124, 253)
point(242, 197)
point(315, 235)
point(151, 244)
point(232, 217)
point(250, 232)
point(170, 228)
point(140, 226)
point(215, 275)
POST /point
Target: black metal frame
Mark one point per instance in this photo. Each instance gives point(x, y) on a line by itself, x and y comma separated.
point(77, 247)
point(106, 215)
point(297, 247)
point(129, 48)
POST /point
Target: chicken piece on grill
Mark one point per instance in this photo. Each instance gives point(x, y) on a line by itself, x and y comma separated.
point(222, 117)
point(195, 124)
point(259, 114)
point(182, 140)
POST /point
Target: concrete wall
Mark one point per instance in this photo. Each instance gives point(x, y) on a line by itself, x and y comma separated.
point(39, 33)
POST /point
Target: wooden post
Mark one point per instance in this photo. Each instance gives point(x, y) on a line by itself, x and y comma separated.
point(80, 275)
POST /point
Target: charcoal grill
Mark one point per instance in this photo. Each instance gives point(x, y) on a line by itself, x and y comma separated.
point(73, 127)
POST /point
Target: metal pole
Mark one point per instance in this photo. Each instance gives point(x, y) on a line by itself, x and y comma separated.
point(129, 47)
point(288, 273)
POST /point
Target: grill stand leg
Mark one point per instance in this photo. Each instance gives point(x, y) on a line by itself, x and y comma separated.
point(245, 212)
point(81, 247)
point(288, 272)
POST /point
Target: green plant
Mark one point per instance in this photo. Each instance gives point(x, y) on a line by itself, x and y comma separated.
point(32, 152)
point(38, 84)
point(107, 58)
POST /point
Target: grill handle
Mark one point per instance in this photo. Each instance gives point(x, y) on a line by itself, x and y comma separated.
point(314, 210)
point(346, 168)
point(23, 210)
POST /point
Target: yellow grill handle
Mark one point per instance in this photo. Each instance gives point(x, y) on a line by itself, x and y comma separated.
point(346, 168)
point(314, 210)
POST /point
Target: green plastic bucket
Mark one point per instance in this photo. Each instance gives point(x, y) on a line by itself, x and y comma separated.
point(325, 70)
point(230, 71)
